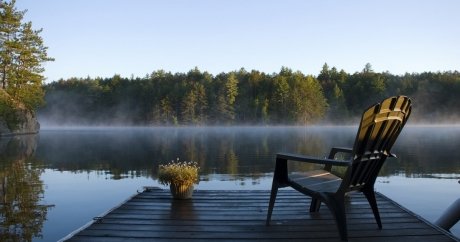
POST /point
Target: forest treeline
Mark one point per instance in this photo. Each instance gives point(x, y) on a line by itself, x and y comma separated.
point(245, 97)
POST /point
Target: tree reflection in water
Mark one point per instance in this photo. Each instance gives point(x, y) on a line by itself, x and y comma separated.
point(21, 190)
point(238, 152)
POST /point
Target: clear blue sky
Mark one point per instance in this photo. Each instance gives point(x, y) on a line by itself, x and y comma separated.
point(135, 37)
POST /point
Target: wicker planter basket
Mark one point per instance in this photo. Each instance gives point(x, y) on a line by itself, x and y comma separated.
point(180, 191)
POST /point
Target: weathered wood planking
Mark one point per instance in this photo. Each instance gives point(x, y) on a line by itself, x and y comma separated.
point(240, 216)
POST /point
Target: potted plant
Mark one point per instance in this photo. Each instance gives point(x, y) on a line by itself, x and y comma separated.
point(180, 176)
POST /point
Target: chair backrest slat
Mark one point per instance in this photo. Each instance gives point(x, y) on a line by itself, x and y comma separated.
point(380, 126)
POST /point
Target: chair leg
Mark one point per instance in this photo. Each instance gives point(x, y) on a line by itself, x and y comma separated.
point(280, 179)
point(337, 207)
point(370, 195)
point(315, 205)
point(272, 202)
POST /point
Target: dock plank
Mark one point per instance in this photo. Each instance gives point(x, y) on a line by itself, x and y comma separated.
point(240, 216)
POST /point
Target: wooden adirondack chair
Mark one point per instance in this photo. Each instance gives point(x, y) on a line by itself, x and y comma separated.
point(380, 126)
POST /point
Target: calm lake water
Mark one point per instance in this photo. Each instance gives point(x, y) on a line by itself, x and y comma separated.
point(57, 181)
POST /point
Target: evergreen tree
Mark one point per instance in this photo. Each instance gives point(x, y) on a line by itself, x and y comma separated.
point(22, 53)
point(226, 97)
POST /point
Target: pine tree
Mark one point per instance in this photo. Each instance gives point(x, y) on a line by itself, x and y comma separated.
point(22, 53)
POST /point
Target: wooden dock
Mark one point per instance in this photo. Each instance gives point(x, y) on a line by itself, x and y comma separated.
point(240, 216)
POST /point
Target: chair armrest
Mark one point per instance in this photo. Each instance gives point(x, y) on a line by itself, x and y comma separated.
point(310, 159)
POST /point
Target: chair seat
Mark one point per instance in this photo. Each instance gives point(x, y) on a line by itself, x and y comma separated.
point(316, 180)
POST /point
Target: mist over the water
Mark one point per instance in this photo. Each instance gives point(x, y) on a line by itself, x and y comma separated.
point(69, 110)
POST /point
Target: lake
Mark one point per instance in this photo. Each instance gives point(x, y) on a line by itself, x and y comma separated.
point(57, 181)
